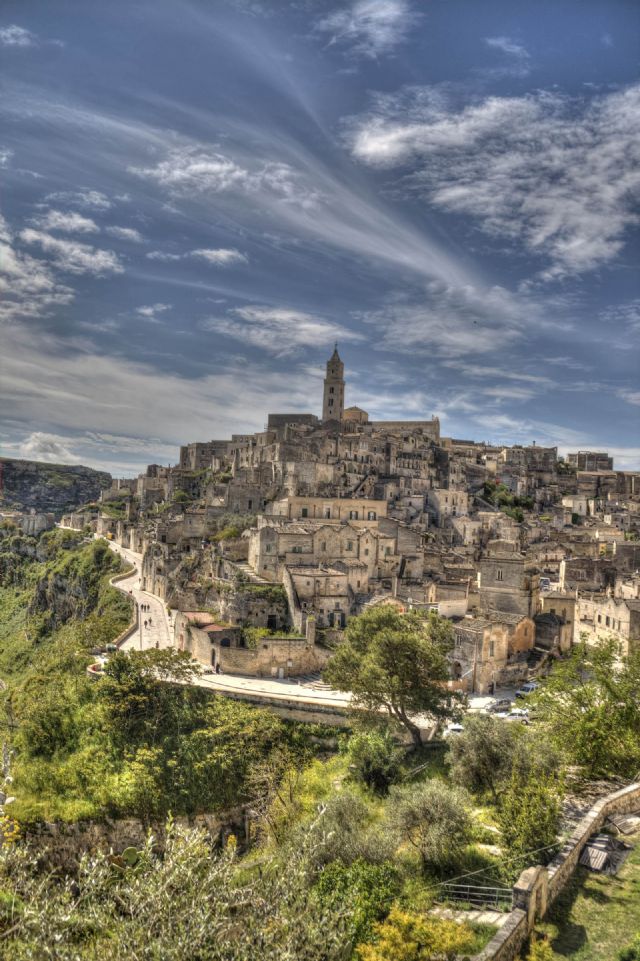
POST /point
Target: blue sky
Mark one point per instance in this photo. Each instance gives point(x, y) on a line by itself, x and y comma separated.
point(199, 198)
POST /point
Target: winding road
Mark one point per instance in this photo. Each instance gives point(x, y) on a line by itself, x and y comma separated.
point(160, 634)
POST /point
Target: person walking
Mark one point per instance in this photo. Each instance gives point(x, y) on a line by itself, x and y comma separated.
point(145, 623)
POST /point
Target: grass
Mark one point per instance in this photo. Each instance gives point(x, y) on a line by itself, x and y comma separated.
point(597, 915)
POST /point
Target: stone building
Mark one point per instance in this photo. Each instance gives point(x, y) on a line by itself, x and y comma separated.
point(491, 650)
point(225, 648)
point(601, 616)
point(506, 582)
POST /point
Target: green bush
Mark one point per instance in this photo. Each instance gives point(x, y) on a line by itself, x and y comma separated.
point(374, 759)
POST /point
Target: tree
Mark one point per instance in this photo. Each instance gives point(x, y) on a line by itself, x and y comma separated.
point(529, 818)
point(434, 819)
point(590, 708)
point(397, 663)
point(411, 937)
point(375, 759)
point(483, 756)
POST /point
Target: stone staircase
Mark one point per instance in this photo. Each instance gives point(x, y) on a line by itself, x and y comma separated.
point(314, 681)
point(249, 574)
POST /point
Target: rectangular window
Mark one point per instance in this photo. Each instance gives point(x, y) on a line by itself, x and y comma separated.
point(492, 648)
point(607, 621)
point(499, 574)
point(304, 512)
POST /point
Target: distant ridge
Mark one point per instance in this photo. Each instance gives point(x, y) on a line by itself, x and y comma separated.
point(27, 484)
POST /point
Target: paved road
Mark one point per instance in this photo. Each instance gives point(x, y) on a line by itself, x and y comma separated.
point(160, 632)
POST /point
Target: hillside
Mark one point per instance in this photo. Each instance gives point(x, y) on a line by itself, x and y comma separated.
point(48, 487)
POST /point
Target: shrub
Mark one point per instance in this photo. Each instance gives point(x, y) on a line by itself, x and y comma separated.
point(374, 759)
point(434, 819)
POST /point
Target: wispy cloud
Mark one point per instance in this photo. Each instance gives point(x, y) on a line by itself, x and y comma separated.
point(151, 311)
point(28, 287)
point(368, 28)
point(451, 321)
point(74, 257)
point(125, 233)
point(623, 315)
point(162, 256)
point(221, 257)
point(89, 199)
point(69, 221)
point(278, 330)
point(507, 46)
point(15, 36)
point(631, 396)
point(561, 176)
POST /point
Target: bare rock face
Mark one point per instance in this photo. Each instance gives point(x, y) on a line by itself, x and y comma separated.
point(53, 488)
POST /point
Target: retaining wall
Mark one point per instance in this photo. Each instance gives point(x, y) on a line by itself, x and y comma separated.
point(538, 887)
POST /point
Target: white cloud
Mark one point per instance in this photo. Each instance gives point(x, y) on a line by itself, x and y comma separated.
point(161, 255)
point(507, 46)
point(68, 221)
point(28, 287)
point(189, 170)
point(221, 257)
point(125, 233)
point(368, 28)
point(623, 315)
point(560, 175)
point(278, 330)
point(73, 257)
point(15, 36)
point(46, 447)
point(150, 311)
point(91, 199)
point(631, 396)
point(5, 156)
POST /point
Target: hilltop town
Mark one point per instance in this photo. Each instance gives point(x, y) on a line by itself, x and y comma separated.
point(267, 544)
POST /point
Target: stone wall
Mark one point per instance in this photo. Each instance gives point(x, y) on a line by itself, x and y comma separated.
point(60, 846)
point(538, 887)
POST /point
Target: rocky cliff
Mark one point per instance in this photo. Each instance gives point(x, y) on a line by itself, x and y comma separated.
point(48, 487)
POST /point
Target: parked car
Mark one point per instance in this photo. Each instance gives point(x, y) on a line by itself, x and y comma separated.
point(502, 704)
point(452, 729)
point(527, 688)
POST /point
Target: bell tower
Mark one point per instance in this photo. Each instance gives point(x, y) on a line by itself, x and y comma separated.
point(333, 399)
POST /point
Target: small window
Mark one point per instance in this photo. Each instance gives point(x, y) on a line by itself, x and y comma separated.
point(366, 552)
point(492, 648)
point(304, 512)
point(608, 621)
point(323, 546)
point(499, 574)
point(371, 516)
point(349, 545)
